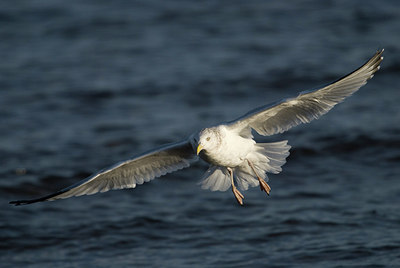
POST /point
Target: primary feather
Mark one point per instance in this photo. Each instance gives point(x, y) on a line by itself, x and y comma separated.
point(308, 105)
point(129, 173)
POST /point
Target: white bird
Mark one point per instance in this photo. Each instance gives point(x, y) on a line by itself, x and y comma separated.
point(229, 148)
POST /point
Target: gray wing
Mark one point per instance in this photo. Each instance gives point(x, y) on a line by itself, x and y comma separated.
point(307, 106)
point(129, 173)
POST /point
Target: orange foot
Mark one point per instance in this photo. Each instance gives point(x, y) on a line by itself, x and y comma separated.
point(238, 195)
point(264, 186)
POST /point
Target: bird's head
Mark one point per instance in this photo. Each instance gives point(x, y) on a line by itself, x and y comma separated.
point(208, 139)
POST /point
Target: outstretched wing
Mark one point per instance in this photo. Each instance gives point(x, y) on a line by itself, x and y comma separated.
point(129, 173)
point(309, 105)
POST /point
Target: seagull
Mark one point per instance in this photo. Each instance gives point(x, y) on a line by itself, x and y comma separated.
point(235, 159)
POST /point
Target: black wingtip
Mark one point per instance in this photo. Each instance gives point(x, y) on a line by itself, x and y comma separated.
point(14, 203)
point(31, 201)
point(22, 202)
point(17, 203)
point(379, 53)
point(40, 199)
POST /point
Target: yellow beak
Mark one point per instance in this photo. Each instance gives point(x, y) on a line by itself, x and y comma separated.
point(199, 148)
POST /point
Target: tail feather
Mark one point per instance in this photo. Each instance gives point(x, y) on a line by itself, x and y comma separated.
point(216, 179)
point(245, 177)
point(268, 157)
point(276, 153)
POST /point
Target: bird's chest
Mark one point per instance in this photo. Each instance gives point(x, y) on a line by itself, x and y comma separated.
point(231, 153)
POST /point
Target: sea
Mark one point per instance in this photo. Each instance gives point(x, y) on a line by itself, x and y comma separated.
point(85, 84)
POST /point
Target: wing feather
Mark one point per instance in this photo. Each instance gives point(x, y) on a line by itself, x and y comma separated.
point(307, 106)
point(129, 173)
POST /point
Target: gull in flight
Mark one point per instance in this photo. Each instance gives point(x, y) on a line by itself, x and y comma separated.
point(235, 158)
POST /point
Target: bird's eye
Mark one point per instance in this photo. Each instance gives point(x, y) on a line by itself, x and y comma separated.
point(208, 139)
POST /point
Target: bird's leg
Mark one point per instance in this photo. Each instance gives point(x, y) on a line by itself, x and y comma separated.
point(263, 184)
point(238, 195)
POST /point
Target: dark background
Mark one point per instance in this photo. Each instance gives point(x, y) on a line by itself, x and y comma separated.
point(85, 84)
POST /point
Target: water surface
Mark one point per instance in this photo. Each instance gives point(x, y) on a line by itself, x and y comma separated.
point(85, 84)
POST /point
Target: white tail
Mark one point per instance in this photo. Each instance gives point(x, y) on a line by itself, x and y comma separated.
point(276, 153)
point(268, 157)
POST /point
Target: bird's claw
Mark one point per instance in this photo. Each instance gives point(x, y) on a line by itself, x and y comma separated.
point(238, 195)
point(264, 186)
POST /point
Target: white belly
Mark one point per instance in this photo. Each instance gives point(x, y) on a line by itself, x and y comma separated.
point(232, 152)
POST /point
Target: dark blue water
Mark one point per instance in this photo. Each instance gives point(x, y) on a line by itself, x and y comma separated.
point(85, 84)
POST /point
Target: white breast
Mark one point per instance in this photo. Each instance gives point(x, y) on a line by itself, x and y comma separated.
point(232, 151)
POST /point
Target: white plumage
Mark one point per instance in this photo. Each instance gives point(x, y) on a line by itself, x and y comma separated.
point(229, 148)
